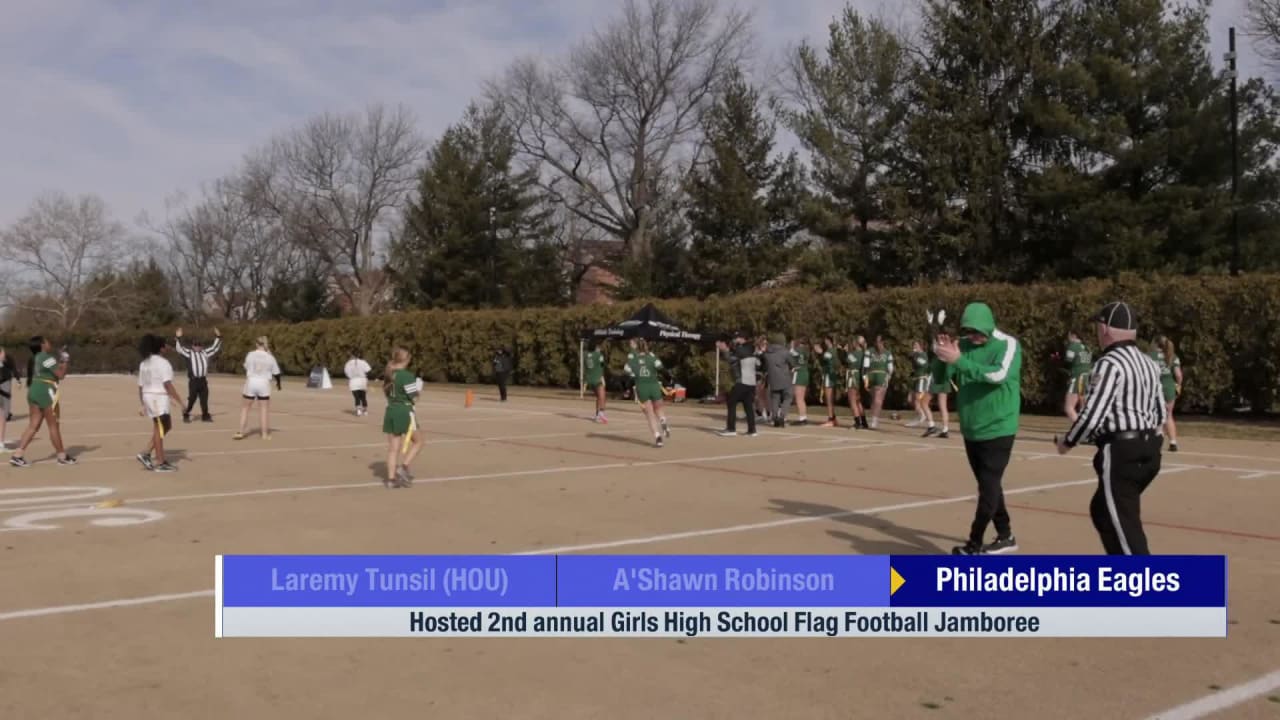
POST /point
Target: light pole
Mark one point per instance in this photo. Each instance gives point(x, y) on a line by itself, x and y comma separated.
point(493, 250)
point(1235, 159)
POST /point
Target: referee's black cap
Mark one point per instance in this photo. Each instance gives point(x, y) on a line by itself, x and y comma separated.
point(1118, 315)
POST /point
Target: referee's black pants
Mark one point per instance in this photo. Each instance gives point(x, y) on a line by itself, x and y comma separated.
point(1126, 466)
point(988, 460)
point(198, 389)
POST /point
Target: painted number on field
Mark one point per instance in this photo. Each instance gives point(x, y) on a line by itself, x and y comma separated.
point(28, 509)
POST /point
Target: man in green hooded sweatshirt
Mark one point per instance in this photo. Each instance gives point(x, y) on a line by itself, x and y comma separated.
point(986, 365)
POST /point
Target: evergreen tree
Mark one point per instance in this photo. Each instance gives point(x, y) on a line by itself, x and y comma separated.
point(477, 219)
point(743, 202)
point(850, 110)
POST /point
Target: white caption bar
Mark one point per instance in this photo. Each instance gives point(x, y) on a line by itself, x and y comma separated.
point(723, 622)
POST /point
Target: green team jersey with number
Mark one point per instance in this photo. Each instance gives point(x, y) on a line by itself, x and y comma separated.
point(595, 367)
point(829, 365)
point(405, 387)
point(854, 362)
point(46, 363)
point(878, 363)
point(800, 373)
point(1079, 359)
point(644, 368)
point(920, 365)
point(1166, 365)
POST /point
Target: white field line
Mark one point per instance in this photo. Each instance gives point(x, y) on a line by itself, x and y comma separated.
point(1223, 699)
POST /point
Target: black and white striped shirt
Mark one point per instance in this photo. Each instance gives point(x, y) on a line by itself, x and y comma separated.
point(198, 360)
point(1124, 395)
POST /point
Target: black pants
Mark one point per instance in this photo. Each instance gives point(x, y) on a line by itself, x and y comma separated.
point(197, 389)
point(501, 379)
point(988, 459)
point(746, 396)
point(1125, 469)
point(361, 398)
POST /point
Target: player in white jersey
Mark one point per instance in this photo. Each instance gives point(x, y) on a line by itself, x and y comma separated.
point(260, 367)
point(357, 372)
point(155, 388)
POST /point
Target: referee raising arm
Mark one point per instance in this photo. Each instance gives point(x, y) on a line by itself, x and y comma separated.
point(198, 357)
point(1123, 413)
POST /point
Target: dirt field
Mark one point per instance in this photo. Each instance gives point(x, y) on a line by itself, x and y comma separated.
point(109, 613)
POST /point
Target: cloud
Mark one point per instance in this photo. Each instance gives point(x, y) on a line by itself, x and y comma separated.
point(136, 101)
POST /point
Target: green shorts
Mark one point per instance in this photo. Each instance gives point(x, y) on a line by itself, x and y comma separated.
point(1170, 389)
point(593, 383)
point(878, 379)
point(800, 378)
point(853, 381)
point(940, 388)
point(649, 392)
point(1079, 384)
point(396, 419)
point(42, 394)
point(920, 384)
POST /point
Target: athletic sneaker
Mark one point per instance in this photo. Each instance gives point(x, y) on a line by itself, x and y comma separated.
point(164, 467)
point(657, 441)
point(186, 418)
point(19, 462)
point(968, 548)
point(802, 421)
point(145, 459)
point(68, 460)
point(1000, 546)
point(238, 436)
point(944, 434)
point(930, 432)
point(404, 478)
point(753, 434)
point(666, 429)
point(1173, 447)
point(728, 433)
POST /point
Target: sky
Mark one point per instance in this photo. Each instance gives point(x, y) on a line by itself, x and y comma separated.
point(137, 100)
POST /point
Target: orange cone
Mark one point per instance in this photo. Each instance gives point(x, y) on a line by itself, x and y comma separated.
point(470, 398)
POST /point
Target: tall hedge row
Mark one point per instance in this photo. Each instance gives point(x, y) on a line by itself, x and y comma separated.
point(1227, 331)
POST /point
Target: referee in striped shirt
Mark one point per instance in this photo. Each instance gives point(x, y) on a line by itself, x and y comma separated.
point(1123, 415)
point(198, 357)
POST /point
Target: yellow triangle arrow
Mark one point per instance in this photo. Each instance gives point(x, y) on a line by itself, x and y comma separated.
point(895, 581)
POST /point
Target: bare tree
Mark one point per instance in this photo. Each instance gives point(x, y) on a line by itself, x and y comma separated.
point(65, 251)
point(614, 115)
point(1263, 18)
point(337, 186)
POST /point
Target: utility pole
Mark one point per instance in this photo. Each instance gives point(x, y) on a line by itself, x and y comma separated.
point(1235, 156)
point(493, 250)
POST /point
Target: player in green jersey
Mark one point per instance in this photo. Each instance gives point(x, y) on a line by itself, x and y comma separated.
point(594, 379)
point(940, 386)
point(825, 351)
point(1166, 358)
point(42, 397)
point(855, 380)
point(800, 379)
point(399, 422)
point(645, 368)
point(1079, 362)
point(920, 382)
point(877, 369)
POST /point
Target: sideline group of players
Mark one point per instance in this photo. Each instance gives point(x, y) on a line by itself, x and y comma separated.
point(853, 369)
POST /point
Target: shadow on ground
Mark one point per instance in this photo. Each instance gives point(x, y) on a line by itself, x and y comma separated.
point(897, 539)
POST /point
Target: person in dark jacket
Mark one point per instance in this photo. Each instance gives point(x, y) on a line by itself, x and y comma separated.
point(779, 366)
point(502, 367)
point(743, 363)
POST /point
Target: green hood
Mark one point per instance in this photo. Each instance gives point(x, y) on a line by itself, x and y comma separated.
point(979, 317)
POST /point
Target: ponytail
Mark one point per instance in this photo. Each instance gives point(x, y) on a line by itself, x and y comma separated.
point(1168, 350)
